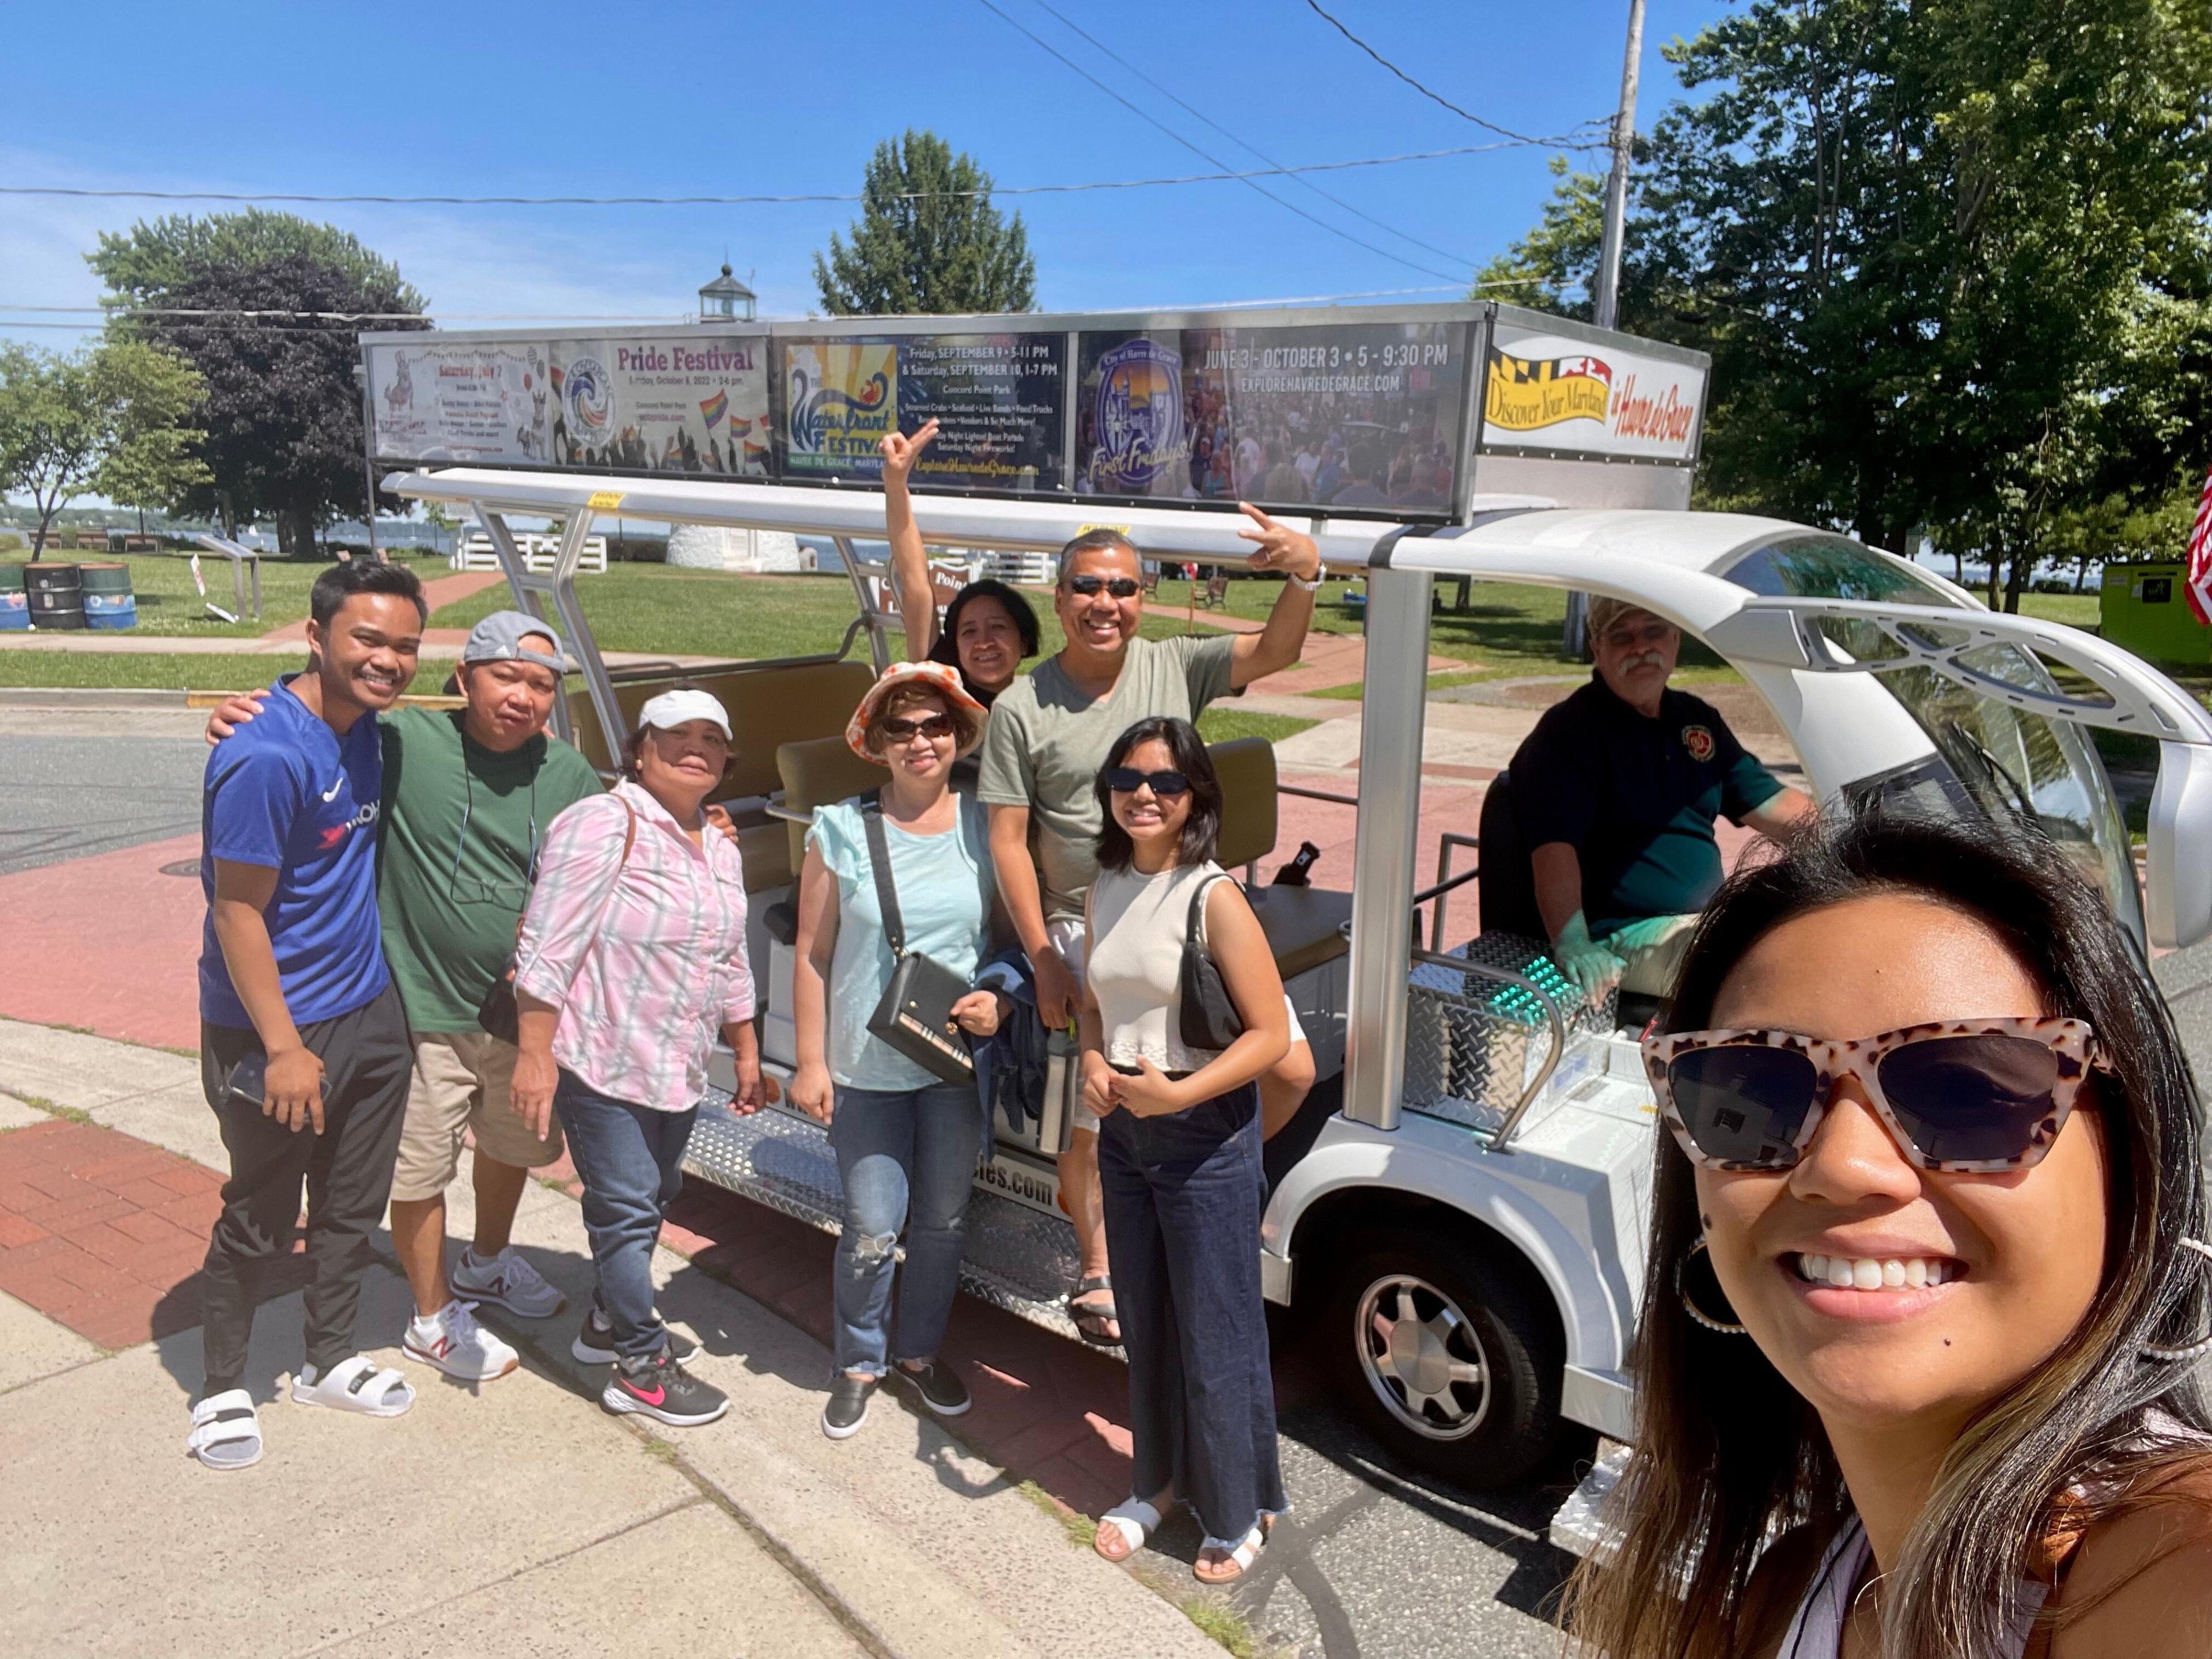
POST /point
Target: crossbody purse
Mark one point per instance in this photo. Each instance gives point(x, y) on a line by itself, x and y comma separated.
point(498, 1014)
point(1205, 1017)
point(915, 1017)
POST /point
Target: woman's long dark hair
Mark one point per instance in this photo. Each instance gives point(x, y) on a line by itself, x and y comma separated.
point(947, 648)
point(1201, 829)
point(1728, 1456)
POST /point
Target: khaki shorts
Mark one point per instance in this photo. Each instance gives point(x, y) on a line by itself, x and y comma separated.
point(460, 1082)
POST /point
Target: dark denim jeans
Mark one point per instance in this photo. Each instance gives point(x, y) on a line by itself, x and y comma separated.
point(907, 1162)
point(631, 1160)
point(1182, 1224)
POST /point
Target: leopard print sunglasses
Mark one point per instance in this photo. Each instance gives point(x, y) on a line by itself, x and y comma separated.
point(1959, 1097)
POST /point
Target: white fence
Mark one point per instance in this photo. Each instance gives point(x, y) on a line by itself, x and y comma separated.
point(538, 552)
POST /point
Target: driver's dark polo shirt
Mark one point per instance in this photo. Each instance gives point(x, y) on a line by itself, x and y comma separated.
point(1636, 798)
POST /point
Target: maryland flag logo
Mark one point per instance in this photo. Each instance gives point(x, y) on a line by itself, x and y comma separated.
point(1700, 742)
point(1526, 394)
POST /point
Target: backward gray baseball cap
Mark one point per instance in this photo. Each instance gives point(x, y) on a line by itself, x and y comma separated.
point(499, 638)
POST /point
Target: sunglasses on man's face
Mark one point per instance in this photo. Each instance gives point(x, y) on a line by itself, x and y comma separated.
point(1122, 587)
point(1959, 1097)
point(929, 725)
point(1127, 779)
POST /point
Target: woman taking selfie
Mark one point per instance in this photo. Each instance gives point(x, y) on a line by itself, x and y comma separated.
point(1926, 1292)
point(987, 627)
point(632, 958)
point(919, 854)
point(1179, 1146)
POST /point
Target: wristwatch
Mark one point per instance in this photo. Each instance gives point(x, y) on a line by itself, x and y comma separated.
point(1301, 584)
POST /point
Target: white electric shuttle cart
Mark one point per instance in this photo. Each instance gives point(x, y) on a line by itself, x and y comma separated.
point(1465, 1236)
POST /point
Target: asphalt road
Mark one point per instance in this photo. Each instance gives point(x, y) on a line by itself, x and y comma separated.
point(1373, 1562)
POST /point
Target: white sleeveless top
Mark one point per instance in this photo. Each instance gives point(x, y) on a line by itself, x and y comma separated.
point(1138, 924)
point(1817, 1631)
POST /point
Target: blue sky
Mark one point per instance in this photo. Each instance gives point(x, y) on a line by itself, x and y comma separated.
point(617, 98)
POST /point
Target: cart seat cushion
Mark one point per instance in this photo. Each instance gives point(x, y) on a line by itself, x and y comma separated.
point(768, 706)
point(767, 856)
point(1247, 768)
point(816, 772)
point(1305, 926)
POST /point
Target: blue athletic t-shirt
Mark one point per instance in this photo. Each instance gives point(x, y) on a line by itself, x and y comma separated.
point(290, 794)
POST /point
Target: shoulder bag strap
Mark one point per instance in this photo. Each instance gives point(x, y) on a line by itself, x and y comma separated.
point(879, 857)
point(1194, 927)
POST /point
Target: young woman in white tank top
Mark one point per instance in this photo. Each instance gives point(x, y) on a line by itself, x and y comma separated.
point(1927, 1282)
point(1179, 1138)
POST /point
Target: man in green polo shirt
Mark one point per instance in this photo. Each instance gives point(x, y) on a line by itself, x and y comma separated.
point(468, 795)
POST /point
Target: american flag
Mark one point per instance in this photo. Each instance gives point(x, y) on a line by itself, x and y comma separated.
point(2199, 583)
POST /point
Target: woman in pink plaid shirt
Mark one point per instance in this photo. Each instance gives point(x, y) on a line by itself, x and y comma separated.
point(632, 957)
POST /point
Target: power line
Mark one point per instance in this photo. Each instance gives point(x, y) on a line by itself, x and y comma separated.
point(335, 199)
point(1153, 121)
point(1434, 97)
point(344, 316)
point(1393, 230)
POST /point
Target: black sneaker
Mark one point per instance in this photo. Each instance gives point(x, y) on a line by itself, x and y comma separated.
point(939, 1387)
point(664, 1391)
point(595, 1343)
point(848, 1404)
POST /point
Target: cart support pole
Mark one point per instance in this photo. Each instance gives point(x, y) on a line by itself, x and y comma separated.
point(1382, 859)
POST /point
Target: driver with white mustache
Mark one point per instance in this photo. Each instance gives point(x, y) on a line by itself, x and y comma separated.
point(1615, 794)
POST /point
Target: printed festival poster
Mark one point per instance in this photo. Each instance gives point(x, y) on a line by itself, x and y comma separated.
point(997, 398)
point(1551, 393)
point(1343, 416)
point(688, 402)
point(437, 402)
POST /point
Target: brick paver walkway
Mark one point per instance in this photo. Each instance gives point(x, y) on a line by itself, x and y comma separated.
point(106, 1234)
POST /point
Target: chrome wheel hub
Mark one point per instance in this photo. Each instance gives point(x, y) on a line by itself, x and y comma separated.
point(1422, 1357)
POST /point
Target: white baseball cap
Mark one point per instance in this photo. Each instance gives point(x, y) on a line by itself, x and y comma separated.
point(672, 709)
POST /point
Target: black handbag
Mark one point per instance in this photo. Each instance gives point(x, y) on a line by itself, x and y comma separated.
point(915, 1017)
point(497, 1015)
point(1206, 1018)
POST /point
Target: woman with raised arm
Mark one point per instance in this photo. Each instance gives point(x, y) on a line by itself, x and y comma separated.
point(1179, 1147)
point(906, 1140)
point(988, 629)
point(1917, 1375)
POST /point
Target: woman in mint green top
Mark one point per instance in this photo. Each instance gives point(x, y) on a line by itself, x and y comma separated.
point(905, 1142)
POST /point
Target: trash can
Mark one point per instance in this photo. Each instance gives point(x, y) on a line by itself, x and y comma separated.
point(15, 603)
point(109, 602)
point(57, 595)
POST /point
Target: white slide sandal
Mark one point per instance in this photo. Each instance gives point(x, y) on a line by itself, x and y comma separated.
point(1135, 1520)
point(226, 1432)
point(357, 1385)
point(1240, 1556)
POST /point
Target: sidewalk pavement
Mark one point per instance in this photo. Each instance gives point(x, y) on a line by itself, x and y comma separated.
point(525, 1521)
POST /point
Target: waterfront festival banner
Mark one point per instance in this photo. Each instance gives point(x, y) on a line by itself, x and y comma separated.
point(1345, 415)
point(1551, 392)
point(998, 400)
point(688, 401)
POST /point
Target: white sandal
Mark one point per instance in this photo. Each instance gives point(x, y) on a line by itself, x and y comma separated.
point(226, 1432)
point(359, 1385)
point(1135, 1520)
point(1241, 1555)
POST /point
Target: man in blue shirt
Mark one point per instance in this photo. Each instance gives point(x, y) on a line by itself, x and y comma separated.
point(303, 1044)
point(1615, 794)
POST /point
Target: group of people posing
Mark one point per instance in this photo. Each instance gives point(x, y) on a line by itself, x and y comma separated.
point(1916, 1363)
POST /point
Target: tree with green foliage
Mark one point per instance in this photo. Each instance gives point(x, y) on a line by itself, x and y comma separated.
point(1952, 260)
point(267, 307)
point(927, 240)
point(109, 419)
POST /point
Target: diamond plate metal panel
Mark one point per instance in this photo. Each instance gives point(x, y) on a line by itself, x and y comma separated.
point(1472, 1043)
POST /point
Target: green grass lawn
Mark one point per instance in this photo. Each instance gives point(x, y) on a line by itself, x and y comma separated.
point(1225, 720)
point(649, 607)
point(1253, 599)
point(170, 671)
point(168, 604)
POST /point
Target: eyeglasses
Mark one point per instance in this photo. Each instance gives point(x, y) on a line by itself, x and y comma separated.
point(1122, 587)
point(929, 725)
point(1127, 780)
point(1959, 1097)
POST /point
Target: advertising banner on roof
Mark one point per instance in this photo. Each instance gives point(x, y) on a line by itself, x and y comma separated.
point(999, 401)
point(1346, 415)
point(1554, 394)
point(439, 402)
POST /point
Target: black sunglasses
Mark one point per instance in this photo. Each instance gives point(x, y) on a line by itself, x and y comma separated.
point(1122, 587)
point(1127, 779)
point(929, 725)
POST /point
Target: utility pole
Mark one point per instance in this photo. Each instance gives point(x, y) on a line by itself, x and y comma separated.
point(1606, 300)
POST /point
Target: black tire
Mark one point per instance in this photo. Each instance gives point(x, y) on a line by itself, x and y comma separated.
point(1474, 1435)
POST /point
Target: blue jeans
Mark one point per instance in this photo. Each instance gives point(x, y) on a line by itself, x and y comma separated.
point(907, 1162)
point(1181, 1195)
point(631, 1159)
